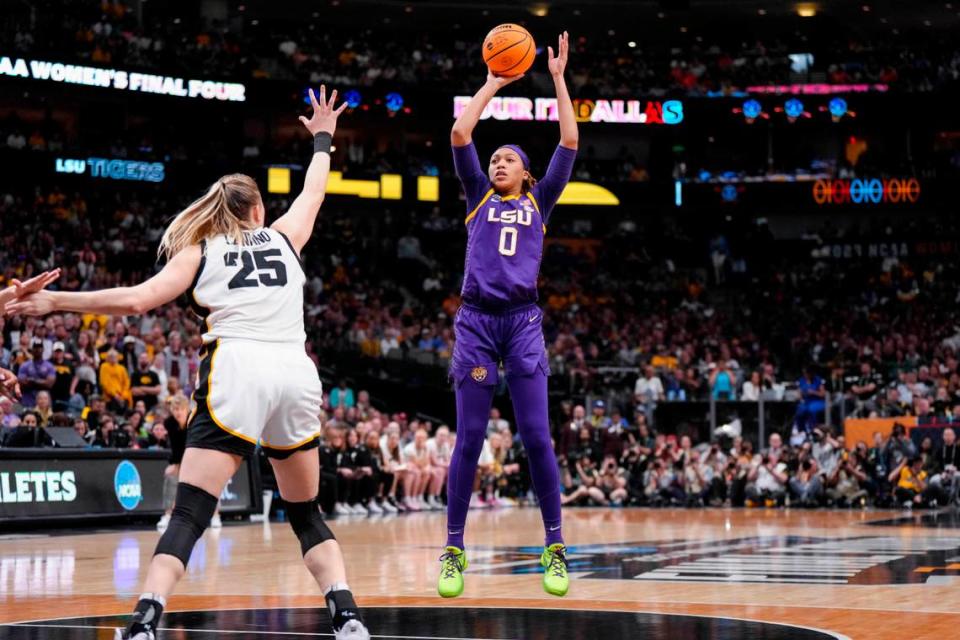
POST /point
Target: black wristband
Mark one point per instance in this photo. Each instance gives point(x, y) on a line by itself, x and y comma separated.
point(322, 142)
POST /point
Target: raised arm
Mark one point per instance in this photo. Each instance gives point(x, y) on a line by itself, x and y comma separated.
point(569, 135)
point(297, 223)
point(173, 280)
point(462, 132)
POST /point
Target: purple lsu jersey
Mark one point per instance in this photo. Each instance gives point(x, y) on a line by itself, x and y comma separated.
point(505, 233)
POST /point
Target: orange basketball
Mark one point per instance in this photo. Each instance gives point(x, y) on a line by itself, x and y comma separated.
point(509, 50)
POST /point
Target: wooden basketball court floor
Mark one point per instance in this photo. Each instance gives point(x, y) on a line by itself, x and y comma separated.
point(637, 573)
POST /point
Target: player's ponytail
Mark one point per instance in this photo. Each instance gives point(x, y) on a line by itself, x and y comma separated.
point(528, 181)
point(224, 208)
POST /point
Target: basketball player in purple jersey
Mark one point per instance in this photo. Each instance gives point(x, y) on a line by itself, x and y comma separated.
point(499, 320)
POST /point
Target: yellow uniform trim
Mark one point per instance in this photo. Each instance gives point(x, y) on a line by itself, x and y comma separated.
point(536, 205)
point(288, 447)
point(473, 214)
point(513, 197)
point(213, 416)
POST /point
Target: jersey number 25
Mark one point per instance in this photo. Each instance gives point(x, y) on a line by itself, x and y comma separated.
point(270, 273)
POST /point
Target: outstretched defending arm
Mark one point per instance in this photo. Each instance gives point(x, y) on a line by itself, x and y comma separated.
point(297, 223)
point(174, 279)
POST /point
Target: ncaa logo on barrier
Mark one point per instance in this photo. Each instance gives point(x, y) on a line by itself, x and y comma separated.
point(126, 484)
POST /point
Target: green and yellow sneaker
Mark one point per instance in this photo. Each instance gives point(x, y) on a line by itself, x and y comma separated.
point(452, 565)
point(554, 562)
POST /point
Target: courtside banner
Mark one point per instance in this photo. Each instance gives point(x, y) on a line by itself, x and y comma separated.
point(51, 483)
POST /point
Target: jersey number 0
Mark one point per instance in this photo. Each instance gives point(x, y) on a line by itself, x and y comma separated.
point(270, 273)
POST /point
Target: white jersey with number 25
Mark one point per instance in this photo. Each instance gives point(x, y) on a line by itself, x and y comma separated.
point(252, 291)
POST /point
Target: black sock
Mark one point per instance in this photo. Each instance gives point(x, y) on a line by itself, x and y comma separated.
point(146, 616)
point(342, 608)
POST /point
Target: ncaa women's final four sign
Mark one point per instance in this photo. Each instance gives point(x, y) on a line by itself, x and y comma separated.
point(121, 80)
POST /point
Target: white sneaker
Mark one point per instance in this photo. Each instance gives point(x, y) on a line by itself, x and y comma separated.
point(341, 509)
point(374, 508)
point(352, 630)
point(215, 522)
point(388, 507)
point(410, 504)
point(360, 510)
point(164, 521)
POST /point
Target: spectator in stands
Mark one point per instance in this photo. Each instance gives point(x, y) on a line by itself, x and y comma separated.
point(378, 481)
point(944, 476)
point(807, 485)
point(361, 499)
point(697, 478)
point(4, 353)
point(115, 383)
point(899, 448)
point(751, 388)
point(146, 383)
point(28, 434)
point(865, 389)
point(569, 434)
point(663, 486)
point(648, 392)
point(722, 381)
point(109, 435)
point(9, 416)
point(811, 408)
point(346, 473)
point(826, 450)
point(676, 386)
point(599, 420)
point(440, 449)
point(81, 428)
point(420, 475)
point(44, 408)
point(847, 484)
point(35, 375)
point(65, 383)
point(586, 483)
point(495, 423)
point(766, 481)
point(393, 464)
point(911, 489)
point(342, 396)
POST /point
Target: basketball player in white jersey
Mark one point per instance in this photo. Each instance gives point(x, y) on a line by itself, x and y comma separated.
point(256, 386)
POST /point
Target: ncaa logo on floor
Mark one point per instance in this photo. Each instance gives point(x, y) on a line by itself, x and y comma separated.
point(126, 484)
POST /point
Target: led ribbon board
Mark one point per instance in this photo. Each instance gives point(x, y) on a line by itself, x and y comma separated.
point(866, 191)
point(669, 112)
point(121, 80)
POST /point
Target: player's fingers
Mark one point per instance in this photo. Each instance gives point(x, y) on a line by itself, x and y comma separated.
point(333, 99)
point(323, 94)
point(313, 99)
point(304, 121)
point(340, 109)
point(549, 53)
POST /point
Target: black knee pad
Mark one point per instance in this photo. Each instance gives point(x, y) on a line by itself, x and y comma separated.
point(190, 518)
point(308, 524)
